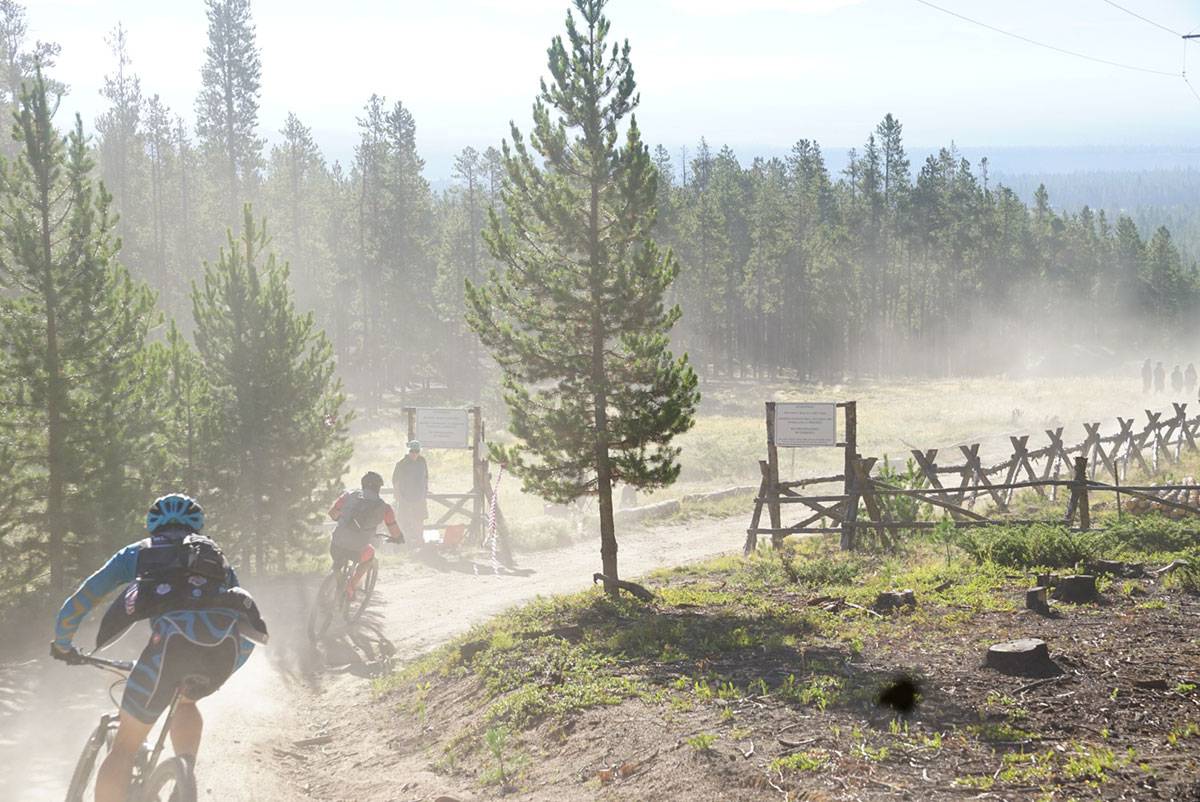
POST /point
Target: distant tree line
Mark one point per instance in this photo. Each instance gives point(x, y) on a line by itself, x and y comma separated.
point(789, 270)
point(786, 270)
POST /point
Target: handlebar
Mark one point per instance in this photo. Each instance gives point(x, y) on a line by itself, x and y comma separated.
point(103, 662)
point(74, 657)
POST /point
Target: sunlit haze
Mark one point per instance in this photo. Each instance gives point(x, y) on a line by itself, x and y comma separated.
point(755, 74)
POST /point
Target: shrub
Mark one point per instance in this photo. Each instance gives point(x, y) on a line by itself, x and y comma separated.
point(1039, 545)
point(818, 572)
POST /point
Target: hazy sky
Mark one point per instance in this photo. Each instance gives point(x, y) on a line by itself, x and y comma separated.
point(756, 74)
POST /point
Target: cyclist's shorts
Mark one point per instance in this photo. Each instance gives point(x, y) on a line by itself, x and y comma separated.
point(171, 660)
point(342, 554)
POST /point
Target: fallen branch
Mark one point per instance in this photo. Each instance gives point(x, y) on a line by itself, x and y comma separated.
point(1169, 567)
point(629, 587)
point(1039, 683)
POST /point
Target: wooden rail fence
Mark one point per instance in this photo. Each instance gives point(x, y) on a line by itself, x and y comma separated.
point(1097, 464)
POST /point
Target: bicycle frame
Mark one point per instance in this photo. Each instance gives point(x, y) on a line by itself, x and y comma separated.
point(144, 764)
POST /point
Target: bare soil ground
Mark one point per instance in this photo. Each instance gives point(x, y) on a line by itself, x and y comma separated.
point(733, 685)
point(289, 691)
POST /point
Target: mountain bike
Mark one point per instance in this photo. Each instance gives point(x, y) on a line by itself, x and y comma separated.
point(341, 596)
point(169, 781)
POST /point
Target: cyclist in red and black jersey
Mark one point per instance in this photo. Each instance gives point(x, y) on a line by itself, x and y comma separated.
point(358, 514)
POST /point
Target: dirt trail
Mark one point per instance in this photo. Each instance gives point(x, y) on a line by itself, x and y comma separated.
point(288, 690)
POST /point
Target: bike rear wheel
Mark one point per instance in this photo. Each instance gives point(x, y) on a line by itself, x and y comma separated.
point(83, 781)
point(362, 595)
point(172, 781)
point(323, 607)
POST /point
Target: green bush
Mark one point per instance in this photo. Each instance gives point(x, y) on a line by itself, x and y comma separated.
point(1151, 533)
point(1039, 545)
point(819, 572)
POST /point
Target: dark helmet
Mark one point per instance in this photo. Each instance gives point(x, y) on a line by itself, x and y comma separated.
point(372, 481)
point(177, 509)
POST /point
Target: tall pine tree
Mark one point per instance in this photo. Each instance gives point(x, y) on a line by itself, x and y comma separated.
point(577, 319)
point(75, 325)
point(279, 445)
point(227, 108)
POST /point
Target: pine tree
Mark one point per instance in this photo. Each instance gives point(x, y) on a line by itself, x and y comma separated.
point(296, 192)
point(227, 108)
point(577, 320)
point(399, 318)
point(279, 447)
point(121, 148)
point(74, 324)
point(19, 62)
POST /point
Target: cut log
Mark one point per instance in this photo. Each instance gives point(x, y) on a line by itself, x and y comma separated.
point(891, 600)
point(1077, 589)
point(1047, 580)
point(1036, 600)
point(1116, 568)
point(1027, 657)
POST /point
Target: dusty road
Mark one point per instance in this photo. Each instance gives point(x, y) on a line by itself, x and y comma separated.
point(289, 690)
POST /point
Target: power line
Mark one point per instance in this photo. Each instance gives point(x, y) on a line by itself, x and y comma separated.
point(1027, 40)
point(1143, 19)
point(1189, 86)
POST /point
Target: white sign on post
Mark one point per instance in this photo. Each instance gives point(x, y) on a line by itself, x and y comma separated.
point(805, 425)
point(442, 428)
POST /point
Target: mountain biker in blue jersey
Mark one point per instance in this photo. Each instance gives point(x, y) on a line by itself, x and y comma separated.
point(201, 626)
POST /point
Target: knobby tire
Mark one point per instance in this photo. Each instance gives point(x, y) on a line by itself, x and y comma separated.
point(175, 775)
point(83, 780)
point(323, 607)
point(362, 596)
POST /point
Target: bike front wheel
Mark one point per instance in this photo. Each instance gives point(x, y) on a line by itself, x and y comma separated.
point(172, 781)
point(323, 607)
point(83, 781)
point(362, 596)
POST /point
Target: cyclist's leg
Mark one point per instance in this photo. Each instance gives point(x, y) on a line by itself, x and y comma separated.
point(207, 668)
point(364, 562)
point(187, 727)
point(112, 780)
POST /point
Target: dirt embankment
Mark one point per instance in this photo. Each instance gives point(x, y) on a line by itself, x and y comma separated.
point(289, 691)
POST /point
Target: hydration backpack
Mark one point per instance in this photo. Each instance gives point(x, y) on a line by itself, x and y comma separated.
point(173, 573)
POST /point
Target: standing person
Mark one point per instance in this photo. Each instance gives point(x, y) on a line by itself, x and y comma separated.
point(1160, 378)
point(1147, 376)
point(1189, 378)
point(410, 482)
point(1177, 381)
point(200, 621)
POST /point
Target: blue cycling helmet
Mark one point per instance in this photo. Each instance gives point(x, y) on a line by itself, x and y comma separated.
point(175, 508)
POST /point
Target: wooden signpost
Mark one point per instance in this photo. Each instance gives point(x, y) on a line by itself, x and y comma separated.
point(457, 429)
point(802, 425)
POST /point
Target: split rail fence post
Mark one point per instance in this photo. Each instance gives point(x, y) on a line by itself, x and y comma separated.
point(411, 414)
point(1079, 493)
point(773, 478)
point(851, 447)
point(479, 472)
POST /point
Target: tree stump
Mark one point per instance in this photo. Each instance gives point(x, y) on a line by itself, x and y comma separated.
point(1047, 580)
point(1077, 589)
point(1035, 599)
point(891, 600)
point(1027, 657)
